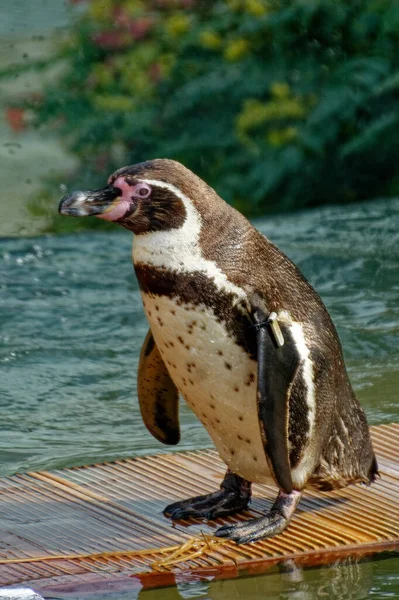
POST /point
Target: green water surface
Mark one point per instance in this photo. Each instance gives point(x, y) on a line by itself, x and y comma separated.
point(71, 326)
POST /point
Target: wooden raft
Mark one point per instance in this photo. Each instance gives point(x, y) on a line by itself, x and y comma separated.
point(105, 528)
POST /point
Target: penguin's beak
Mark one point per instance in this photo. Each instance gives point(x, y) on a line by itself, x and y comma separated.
point(85, 204)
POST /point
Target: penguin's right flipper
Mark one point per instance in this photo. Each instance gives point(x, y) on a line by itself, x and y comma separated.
point(158, 395)
point(277, 368)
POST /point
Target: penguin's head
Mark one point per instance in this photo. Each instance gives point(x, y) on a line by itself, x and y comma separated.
point(146, 197)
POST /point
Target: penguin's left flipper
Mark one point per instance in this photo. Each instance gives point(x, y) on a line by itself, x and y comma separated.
point(278, 364)
point(264, 527)
point(158, 396)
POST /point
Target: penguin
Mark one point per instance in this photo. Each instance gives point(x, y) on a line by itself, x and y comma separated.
point(240, 334)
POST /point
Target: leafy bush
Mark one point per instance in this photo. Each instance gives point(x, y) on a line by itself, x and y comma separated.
point(278, 104)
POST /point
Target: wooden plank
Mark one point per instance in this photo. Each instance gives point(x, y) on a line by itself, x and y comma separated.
point(74, 529)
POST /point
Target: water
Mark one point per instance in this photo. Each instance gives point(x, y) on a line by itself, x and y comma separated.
point(71, 326)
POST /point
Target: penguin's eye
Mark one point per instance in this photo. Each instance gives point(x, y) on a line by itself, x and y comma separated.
point(141, 190)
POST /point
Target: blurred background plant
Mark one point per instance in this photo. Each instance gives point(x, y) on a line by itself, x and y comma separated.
point(278, 104)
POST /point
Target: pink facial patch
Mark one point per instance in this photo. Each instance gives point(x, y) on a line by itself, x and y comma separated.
point(126, 189)
point(121, 205)
point(116, 211)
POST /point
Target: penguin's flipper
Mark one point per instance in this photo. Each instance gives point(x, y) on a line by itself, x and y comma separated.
point(277, 368)
point(158, 395)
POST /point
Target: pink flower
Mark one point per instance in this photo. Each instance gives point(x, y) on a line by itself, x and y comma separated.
point(140, 27)
point(16, 118)
point(111, 40)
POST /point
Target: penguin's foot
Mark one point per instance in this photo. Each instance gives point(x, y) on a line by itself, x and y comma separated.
point(233, 496)
point(264, 527)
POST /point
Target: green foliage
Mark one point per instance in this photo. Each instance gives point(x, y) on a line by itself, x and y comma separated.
point(278, 104)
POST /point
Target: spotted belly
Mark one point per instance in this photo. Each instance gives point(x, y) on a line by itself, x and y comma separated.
point(215, 376)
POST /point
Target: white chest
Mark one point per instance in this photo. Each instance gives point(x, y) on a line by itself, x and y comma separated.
point(215, 376)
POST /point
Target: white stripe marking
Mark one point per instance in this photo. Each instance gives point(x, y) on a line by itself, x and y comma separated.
point(179, 249)
point(305, 467)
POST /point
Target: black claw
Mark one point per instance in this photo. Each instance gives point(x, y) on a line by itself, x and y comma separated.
point(178, 514)
point(174, 511)
point(224, 531)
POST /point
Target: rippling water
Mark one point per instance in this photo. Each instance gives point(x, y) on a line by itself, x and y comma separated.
point(71, 326)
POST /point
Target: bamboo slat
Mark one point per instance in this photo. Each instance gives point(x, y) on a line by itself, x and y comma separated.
point(102, 525)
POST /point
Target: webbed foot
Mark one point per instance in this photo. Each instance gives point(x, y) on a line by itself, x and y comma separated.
point(233, 496)
point(264, 527)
